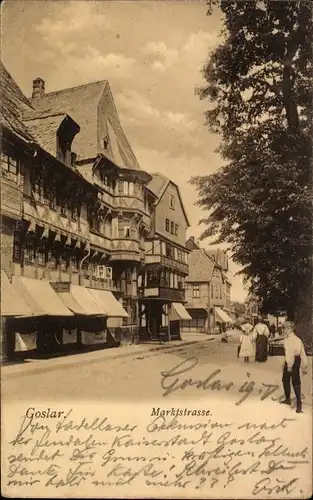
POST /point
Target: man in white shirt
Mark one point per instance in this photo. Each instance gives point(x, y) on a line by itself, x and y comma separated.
point(295, 357)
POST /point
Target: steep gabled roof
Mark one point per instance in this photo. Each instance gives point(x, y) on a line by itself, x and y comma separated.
point(200, 266)
point(13, 105)
point(125, 152)
point(158, 186)
point(191, 244)
point(220, 257)
point(83, 104)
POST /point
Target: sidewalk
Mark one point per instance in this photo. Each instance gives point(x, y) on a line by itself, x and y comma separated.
point(40, 365)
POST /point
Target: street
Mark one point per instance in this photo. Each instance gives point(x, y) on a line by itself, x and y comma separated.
point(138, 377)
point(182, 418)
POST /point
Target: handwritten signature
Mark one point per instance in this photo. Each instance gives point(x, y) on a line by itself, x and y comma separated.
point(174, 380)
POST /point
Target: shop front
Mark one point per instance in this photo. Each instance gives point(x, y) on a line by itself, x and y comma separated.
point(222, 320)
point(199, 321)
point(12, 306)
point(162, 321)
point(40, 332)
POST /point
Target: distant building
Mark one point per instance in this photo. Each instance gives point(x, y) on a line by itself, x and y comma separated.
point(252, 309)
point(161, 283)
point(237, 311)
point(207, 289)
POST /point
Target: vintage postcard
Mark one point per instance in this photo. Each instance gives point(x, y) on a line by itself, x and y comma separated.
point(156, 249)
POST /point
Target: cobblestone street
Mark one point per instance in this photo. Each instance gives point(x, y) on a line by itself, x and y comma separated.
point(136, 374)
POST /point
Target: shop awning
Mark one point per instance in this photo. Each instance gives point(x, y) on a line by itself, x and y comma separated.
point(12, 303)
point(107, 300)
point(223, 316)
point(71, 303)
point(40, 297)
point(178, 312)
point(87, 301)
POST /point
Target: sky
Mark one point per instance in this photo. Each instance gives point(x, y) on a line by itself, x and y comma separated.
point(152, 54)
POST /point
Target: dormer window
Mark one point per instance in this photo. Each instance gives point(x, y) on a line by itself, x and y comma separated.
point(64, 150)
point(65, 135)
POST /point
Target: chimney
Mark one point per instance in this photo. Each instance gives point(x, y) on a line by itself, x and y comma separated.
point(38, 88)
point(192, 238)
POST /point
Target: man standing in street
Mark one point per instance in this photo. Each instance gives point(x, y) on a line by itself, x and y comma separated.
point(295, 357)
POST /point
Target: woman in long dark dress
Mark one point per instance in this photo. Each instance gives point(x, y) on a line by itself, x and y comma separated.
point(261, 334)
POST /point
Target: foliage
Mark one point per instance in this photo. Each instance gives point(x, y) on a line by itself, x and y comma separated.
point(259, 97)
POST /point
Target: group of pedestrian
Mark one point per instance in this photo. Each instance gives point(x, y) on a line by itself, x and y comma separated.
point(254, 343)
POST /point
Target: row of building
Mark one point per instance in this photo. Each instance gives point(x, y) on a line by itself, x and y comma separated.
point(93, 248)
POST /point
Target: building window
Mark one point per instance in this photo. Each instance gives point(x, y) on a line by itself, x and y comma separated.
point(167, 225)
point(64, 261)
point(73, 263)
point(169, 251)
point(126, 231)
point(9, 165)
point(212, 291)
point(41, 254)
point(38, 188)
point(30, 250)
point(175, 281)
point(181, 283)
point(17, 247)
point(172, 227)
point(196, 291)
point(53, 199)
point(63, 208)
point(216, 272)
point(74, 211)
point(63, 149)
point(128, 188)
point(153, 279)
point(146, 203)
point(176, 230)
point(53, 259)
point(172, 202)
point(94, 221)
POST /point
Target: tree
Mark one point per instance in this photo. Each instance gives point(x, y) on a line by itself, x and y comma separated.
point(259, 95)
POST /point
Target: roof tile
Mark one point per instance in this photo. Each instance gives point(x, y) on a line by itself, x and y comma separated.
point(13, 105)
point(200, 266)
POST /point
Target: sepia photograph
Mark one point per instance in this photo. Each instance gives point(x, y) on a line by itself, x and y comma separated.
point(156, 249)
